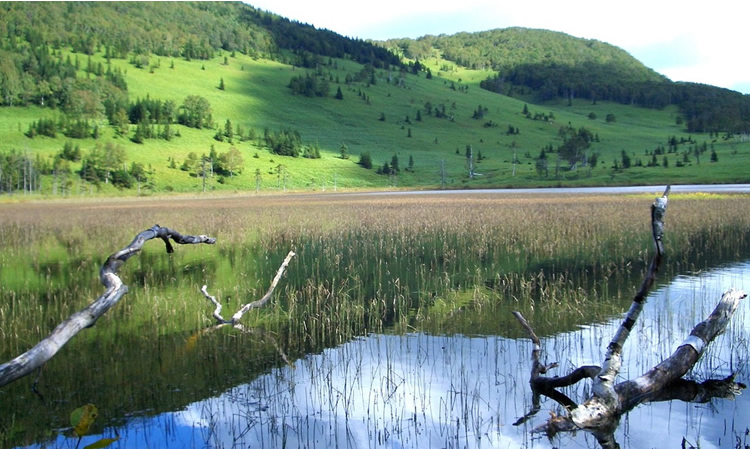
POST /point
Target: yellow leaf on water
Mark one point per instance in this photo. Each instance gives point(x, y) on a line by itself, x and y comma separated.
point(82, 418)
point(104, 442)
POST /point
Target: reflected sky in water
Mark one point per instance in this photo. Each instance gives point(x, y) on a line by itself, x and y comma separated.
point(432, 391)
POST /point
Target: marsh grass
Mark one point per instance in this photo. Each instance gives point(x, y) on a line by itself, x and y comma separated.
point(441, 264)
point(370, 262)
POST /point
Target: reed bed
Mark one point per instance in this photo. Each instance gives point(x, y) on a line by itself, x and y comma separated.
point(439, 264)
point(369, 262)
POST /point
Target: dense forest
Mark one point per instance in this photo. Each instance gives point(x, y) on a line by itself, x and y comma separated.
point(32, 70)
point(554, 65)
point(550, 64)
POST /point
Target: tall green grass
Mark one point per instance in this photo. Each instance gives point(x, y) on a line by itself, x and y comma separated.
point(441, 264)
point(366, 262)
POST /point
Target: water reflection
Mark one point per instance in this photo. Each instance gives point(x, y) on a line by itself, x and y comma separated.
point(439, 391)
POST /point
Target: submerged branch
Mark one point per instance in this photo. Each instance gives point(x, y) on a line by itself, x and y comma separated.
point(115, 289)
point(600, 413)
point(235, 320)
point(546, 386)
point(252, 305)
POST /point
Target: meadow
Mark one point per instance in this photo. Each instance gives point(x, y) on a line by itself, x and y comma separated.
point(373, 264)
point(379, 119)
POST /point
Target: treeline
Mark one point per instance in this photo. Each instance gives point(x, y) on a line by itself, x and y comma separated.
point(703, 108)
point(503, 49)
point(306, 39)
point(191, 30)
point(20, 173)
point(554, 65)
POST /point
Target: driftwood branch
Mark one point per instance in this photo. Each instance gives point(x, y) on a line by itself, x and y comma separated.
point(252, 305)
point(235, 320)
point(547, 386)
point(601, 412)
point(115, 289)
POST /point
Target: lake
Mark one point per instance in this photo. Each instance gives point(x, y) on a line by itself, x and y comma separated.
point(426, 354)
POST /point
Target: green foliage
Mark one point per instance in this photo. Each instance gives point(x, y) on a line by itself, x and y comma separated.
point(70, 153)
point(147, 112)
point(82, 418)
point(365, 160)
point(310, 86)
point(230, 162)
point(196, 112)
point(284, 143)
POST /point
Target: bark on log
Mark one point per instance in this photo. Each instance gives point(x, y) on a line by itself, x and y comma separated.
point(37, 356)
point(633, 392)
point(601, 412)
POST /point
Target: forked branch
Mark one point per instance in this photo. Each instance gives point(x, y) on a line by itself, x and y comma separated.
point(115, 289)
point(601, 412)
point(252, 305)
point(235, 320)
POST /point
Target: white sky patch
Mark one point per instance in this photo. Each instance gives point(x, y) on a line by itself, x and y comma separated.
point(697, 42)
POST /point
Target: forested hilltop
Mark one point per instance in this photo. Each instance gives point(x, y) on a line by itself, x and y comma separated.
point(155, 97)
point(553, 65)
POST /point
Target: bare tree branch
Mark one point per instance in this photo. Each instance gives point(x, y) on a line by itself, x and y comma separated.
point(546, 386)
point(252, 305)
point(603, 388)
point(601, 412)
point(115, 289)
point(235, 321)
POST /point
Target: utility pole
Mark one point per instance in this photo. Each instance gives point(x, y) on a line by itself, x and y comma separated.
point(442, 173)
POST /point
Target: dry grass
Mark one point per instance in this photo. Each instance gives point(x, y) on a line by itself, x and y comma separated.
point(364, 261)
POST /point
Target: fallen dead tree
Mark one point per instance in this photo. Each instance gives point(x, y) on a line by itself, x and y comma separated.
point(600, 413)
point(115, 289)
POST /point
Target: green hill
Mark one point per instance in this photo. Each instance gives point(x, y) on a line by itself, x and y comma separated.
point(127, 98)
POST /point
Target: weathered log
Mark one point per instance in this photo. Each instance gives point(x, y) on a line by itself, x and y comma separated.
point(636, 391)
point(601, 412)
point(37, 356)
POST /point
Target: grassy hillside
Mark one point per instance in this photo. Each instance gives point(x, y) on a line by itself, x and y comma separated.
point(379, 115)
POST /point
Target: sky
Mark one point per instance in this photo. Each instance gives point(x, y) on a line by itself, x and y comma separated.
point(702, 42)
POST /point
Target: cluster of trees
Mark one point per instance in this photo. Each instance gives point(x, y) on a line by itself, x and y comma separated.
point(106, 164)
point(310, 85)
point(303, 38)
point(705, 108)
point(153, 119)
point(284, 142)
point(501, 49)
point(185, 29)
point(40, 76)
point(228, 163)
point(20, 173)
point(102, 164)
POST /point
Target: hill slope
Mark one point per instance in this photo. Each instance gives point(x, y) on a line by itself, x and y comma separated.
point(269, 114)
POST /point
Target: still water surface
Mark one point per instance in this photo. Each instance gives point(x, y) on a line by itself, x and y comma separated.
point(465, 391)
